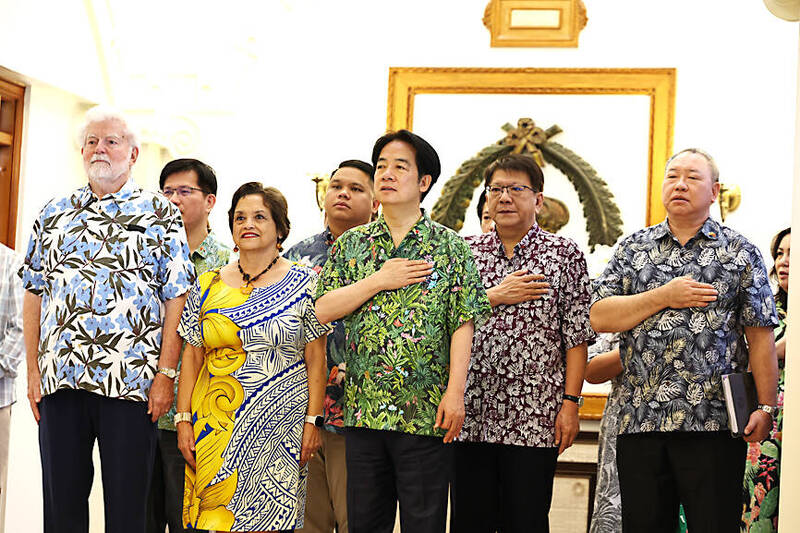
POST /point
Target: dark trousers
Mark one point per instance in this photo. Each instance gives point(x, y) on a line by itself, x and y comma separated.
point(165, 505)
point(384, 467)
point(497, 487)
point(71, 421)
point(659, 471)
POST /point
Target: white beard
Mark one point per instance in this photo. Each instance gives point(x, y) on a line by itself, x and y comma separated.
point(102, 170)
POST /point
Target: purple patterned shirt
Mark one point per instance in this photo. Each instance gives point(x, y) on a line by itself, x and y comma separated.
point(518, 366)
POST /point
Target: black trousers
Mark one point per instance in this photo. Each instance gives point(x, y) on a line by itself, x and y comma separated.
point(497, 487)
point(659, 471)
point(71, 422)
point(384, 467)
point(165, 504)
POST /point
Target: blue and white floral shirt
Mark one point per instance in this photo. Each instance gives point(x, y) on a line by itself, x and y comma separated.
point(673, 361)
point(103, 268)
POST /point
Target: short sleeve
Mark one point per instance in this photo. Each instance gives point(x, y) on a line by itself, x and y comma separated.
point(32, 270)
point(333, 273)
point(312, 328)
point(189, 326)
point(611, 281)
point(574, 300)
point(757, 304)
point(604, 342)
point(468, 299)
point(176, 270)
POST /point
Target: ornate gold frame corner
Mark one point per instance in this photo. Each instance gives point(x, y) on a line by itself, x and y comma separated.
point(658, 84)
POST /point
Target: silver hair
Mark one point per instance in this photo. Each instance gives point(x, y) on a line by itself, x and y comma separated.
point(101, 113)
point(705, 155)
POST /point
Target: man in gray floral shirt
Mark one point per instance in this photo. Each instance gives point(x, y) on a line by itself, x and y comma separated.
point(105, 278)
point(686, 294)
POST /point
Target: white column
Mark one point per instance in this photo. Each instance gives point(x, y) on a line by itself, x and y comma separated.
point(789, 512)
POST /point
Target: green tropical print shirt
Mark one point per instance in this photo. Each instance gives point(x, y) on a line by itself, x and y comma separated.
point(209, 255)
point(398, 362)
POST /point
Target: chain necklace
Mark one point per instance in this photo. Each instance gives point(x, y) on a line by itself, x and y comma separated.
point(247, 288)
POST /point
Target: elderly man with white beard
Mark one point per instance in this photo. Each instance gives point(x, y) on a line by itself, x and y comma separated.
point(105, 276)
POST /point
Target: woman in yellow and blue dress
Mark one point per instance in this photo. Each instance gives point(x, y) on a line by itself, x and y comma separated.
point(253, 378)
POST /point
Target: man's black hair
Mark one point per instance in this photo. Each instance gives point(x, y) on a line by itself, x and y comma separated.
point(426, 158)
point(520, 163)
point(206, 178)
point(481, 203)
point(363, 166)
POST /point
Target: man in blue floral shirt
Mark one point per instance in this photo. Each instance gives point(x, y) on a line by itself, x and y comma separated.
point(191, 186)
point(692, 302)
point(105, 277)
point(349, 202)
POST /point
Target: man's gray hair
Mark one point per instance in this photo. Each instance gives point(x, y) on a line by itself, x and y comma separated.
point(711, 163)
point(101, 113)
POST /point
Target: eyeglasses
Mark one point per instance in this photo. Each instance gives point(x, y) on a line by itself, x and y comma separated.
point(496, 191)
point(183, 190)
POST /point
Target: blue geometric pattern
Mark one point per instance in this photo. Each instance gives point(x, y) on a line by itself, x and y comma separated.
point(275, 324)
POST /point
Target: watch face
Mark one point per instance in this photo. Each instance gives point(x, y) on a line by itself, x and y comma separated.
point(318, 421)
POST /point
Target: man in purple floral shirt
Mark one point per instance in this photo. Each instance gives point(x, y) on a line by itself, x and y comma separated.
point(528, 360)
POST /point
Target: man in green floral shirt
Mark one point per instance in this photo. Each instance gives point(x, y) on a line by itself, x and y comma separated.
point(410, 295)
point(192, 186)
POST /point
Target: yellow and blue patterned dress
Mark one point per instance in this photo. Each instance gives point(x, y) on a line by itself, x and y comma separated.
point(249, 402)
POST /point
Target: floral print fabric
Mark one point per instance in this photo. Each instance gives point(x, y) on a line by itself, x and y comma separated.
point(313, 253)
point(607, 513)
point(763, 464)
point(103, 268)
point(398, 342)
point(209, 255)
point(518, 366)
point(673, 361)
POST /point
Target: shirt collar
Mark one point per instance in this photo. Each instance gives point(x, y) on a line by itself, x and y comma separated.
point(710, 229)
point(524, 242)
point(207, 246)
point(327, 236)
point(128, 189)
point(380, 227)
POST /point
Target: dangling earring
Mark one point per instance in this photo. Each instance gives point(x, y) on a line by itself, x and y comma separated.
point(235, 249)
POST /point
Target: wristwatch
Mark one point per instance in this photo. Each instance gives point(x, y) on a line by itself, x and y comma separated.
point(769, 409)
point(169, 372)
point(316, 420)
point(576, 399)
point(182, 417)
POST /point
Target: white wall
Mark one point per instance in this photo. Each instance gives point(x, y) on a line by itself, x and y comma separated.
point(281, 90)
point(51, 41)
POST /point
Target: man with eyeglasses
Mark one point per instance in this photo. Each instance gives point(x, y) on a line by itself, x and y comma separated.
point(191, 186)
point(528, 360)
point(105, 276)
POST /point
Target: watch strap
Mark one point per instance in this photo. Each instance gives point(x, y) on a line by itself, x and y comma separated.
point(171, 373)
point(317, 420)
point(182, 417)
point(576, 399)
point(769, 409)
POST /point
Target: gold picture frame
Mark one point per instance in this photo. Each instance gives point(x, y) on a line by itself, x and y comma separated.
point(656, 83)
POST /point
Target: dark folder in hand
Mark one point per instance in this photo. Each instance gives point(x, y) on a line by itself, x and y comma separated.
point(740, 399)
